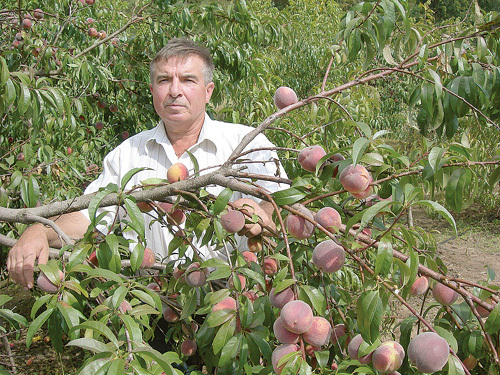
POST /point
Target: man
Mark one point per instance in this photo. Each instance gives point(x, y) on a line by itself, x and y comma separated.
point(181, 85)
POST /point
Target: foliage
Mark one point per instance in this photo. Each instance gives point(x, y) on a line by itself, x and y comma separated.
point(58, 83)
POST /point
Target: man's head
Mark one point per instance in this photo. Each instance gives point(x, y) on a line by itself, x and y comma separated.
point(183, 48)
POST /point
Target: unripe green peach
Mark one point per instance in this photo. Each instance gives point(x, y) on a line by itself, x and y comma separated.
point(328, 256)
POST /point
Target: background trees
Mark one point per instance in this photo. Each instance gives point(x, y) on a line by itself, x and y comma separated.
point(381, 84)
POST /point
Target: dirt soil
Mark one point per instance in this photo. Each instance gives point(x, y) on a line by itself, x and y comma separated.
point(466, 256)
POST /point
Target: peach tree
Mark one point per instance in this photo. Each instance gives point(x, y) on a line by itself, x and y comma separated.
point(342, 282)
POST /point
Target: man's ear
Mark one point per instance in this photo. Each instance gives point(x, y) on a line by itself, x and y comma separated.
point(209, 91)
point(151, 88)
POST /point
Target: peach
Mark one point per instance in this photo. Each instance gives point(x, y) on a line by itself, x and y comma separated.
point(299, 227)
point(195, 276)
point(310, 349)
point(228, 303)
point(170, 315)
point(233, 221)
point(270, 266)
point(428, 352)
point(125, 306)
point(280, 299)
point(444, 294)
point(188, 347)
point(175, 214)
point(284, 96)
point(329, 218)
point(92, 32)
point(243, 281)
point(177, 172)
point(26, 23)
point(38, 13)
point(249, 256)
point(149, 258)
point(483, 313)
point(93, 258)
point(353, 349)
point(365, 193)
point(388, 357)
point(46, 285)
point(282, 334)
point(328, 256)
point(297, 316)
point(336, 157)
point(251, 295)
point(144, 206)
point(310, 156)
point(419, 286)
point(254, 244)
point(177, 273)
point(319, 332)
point(102, 34)
point(154, 287)
point(470, 362)
point(338, 331)
point(355, 179)
point(279, 353)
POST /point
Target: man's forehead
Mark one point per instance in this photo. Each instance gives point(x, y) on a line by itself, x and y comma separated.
point(190, 62)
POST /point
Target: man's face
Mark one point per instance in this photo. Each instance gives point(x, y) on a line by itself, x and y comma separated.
point(179, 92)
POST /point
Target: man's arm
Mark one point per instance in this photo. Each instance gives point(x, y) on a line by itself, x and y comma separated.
point(34, 245)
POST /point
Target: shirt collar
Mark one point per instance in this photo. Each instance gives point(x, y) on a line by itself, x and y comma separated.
point(208, 133)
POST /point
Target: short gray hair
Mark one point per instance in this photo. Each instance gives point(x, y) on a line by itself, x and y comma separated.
point(182, 47)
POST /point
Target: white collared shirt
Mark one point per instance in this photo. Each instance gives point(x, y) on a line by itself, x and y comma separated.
point(152, 149)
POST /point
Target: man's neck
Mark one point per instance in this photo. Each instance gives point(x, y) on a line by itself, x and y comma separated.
point(182, 140)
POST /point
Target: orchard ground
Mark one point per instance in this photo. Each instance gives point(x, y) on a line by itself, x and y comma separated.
point(466, 256)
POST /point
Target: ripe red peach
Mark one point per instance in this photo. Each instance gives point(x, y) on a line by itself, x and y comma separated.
point(102, 34)
point(355, 179)
point(99, 125)
point(177, 172)
point(233, 221)
point(483, 313)
point(149, 258)
point(113, 108)
point(329, 218)
point(297, 226)
point(188, 347)
point(470, 362)
point(284, 96)
point(282, 334)
point(444, 294)
point(249, 256)
point(195, 276)
point(428, 352)
point(125, 134)
point(38, 13)
point(92, 32)
point(178, 273)
point(154, 287)
point(280, 299)
point(46, 285)
point(144, 206)
point(297, 316)
point(125, 306)
point(93, 258)
point(19, 37)
point(254, 244)
point(336, 157)
point(388, 357)
point(175, 215)
point(310, 156)
point(226, 303)
point(270, 266)
point(319, 332)
point(353, 349)
point(26, 23)
point(365, 193)
point(338, 331)
point(251, 295)
point(279, 353)
point(328, 256)
point(170, 315)
point(419, 286)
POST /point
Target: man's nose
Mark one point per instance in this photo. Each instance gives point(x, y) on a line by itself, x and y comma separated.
point(175, 88)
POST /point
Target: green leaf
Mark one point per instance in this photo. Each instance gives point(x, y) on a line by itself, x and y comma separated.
point(220, 273)
point(219, 317)
point(455, 189)
point(100, 329)
point(136, 216)
point(24, 99)
point(4, 71)
point(223, 335)
point(438, 85)
point(126, 178)
point(317, 298)
point(369, 309)
point(358, 149)
point(194, 161)
point(222, 201)
point(36, 325)
point(370, 213)
point(288, 196)
point(383, 262)
point(90, 344)
point(435, 158)
point(492, 324)
point(230, 350)
point(494, 177)
point(440, 210)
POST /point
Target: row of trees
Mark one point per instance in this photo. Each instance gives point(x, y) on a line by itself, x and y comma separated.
point(68, 95)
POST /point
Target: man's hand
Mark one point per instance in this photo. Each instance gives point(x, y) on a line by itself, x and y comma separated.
point(263, 210)
point(32, 245)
